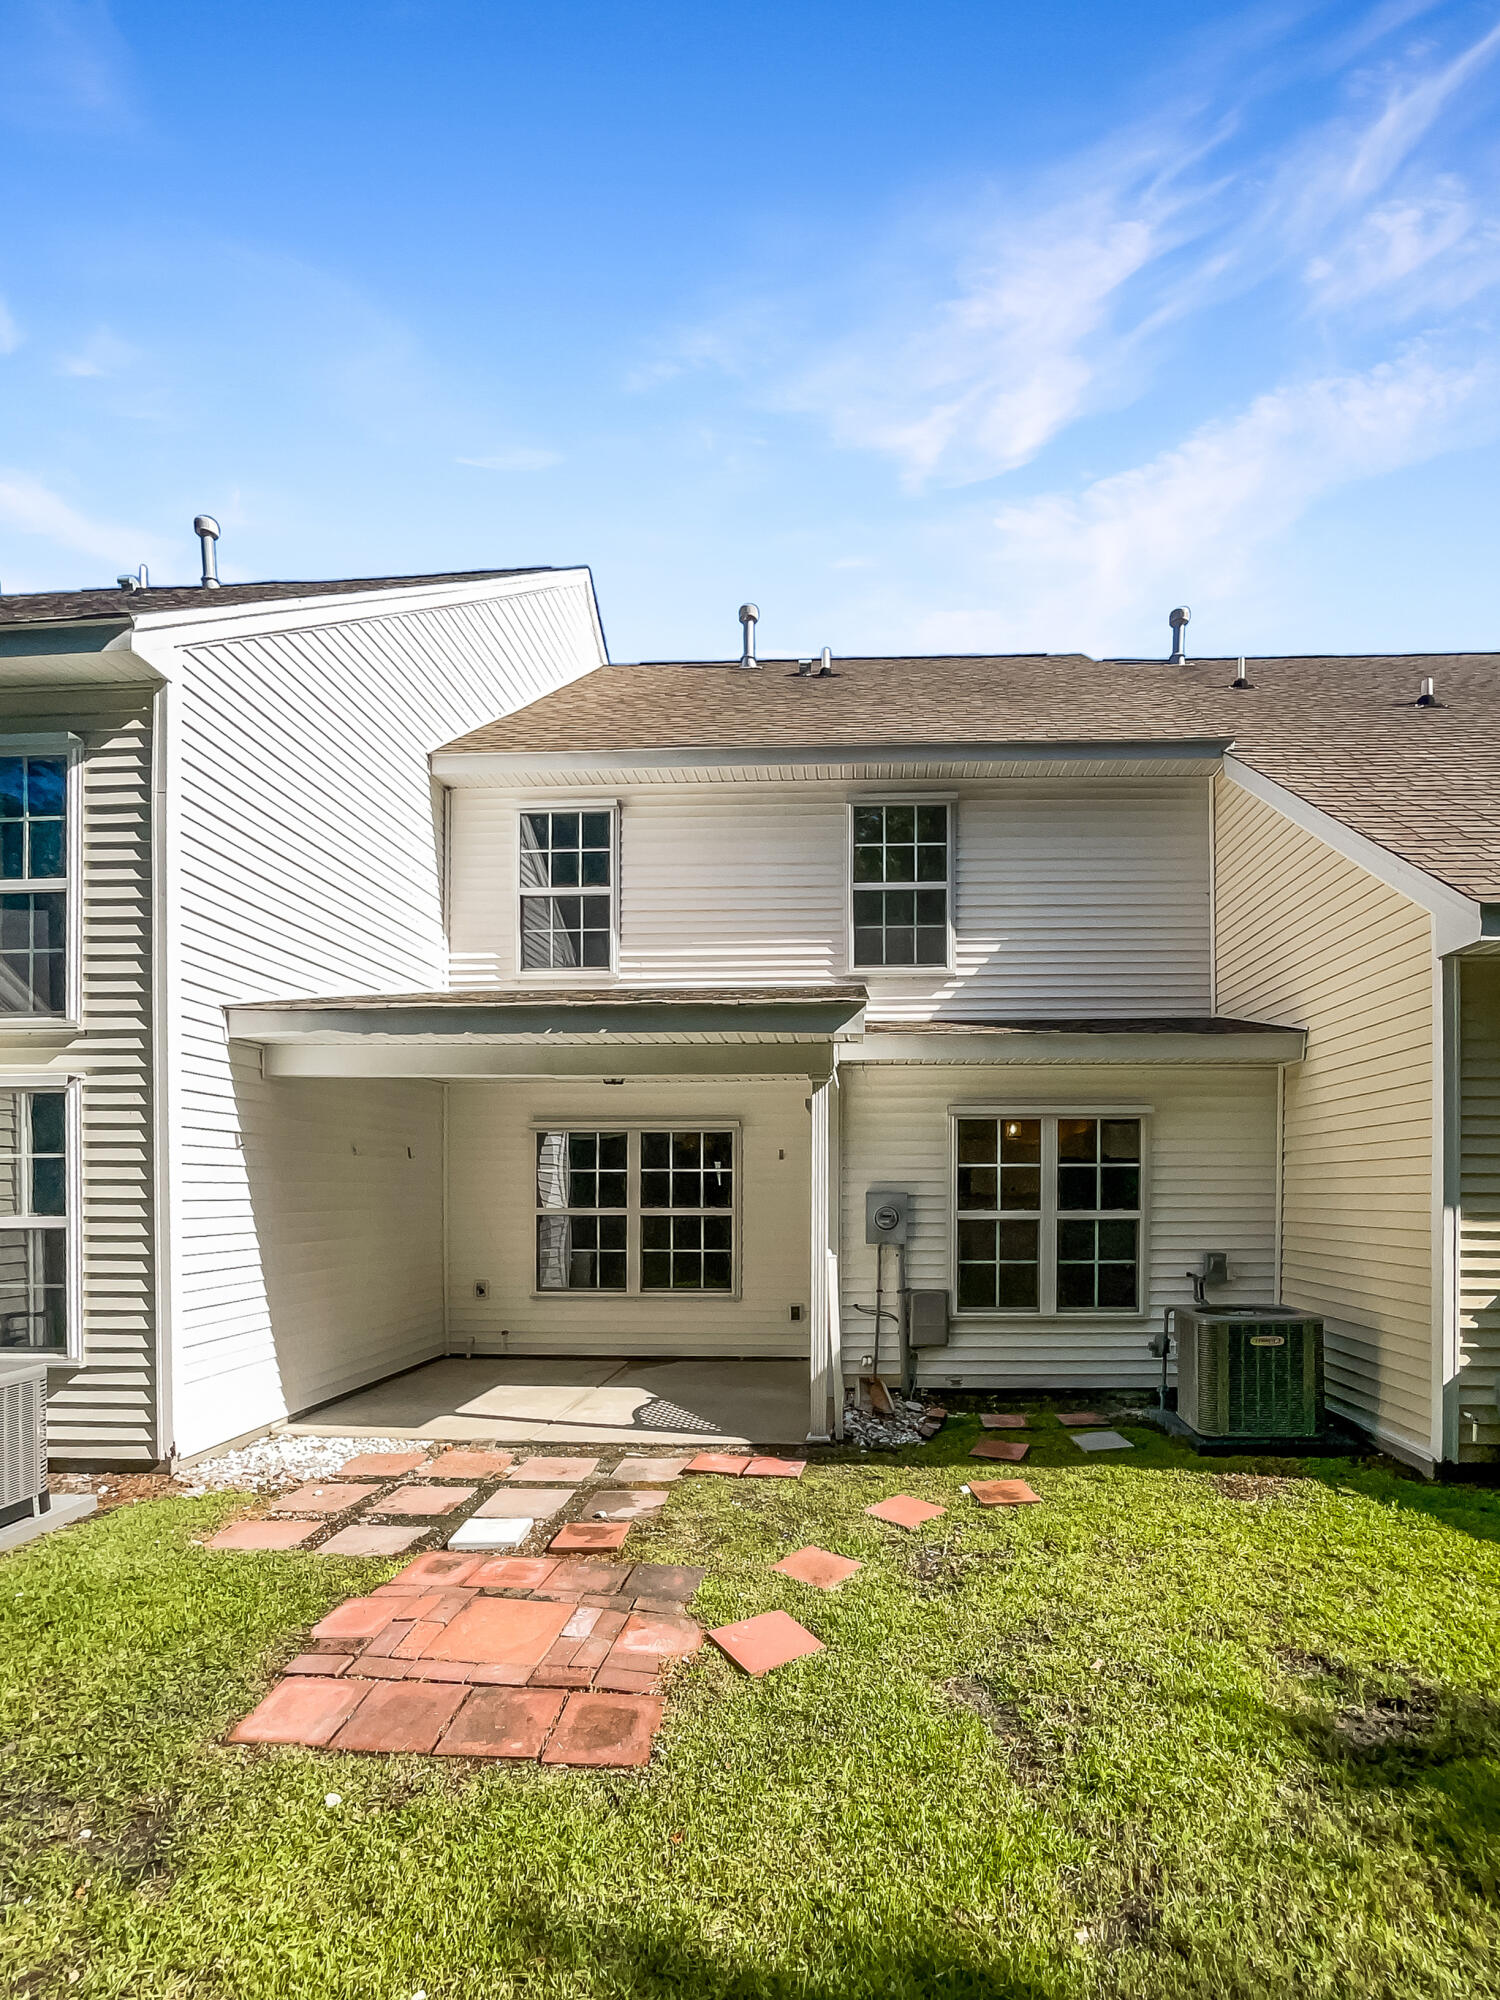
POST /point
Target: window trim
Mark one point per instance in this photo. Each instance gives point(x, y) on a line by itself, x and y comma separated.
point(72, 1222)
point(567, 975)
point(1047, 1307)
point(633, 1128)
point(889, 798)
point(69, 746)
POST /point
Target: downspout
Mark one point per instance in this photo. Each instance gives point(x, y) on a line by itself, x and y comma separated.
point(165, 1441)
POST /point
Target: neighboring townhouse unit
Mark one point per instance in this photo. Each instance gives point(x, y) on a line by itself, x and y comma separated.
point(208, 794)
point(422, 984)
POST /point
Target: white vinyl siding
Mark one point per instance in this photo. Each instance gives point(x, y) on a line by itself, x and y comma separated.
point(1210, 1185)
point(1069, 898)
point(492, 1150)
point(1309, 939)
point(1479, 1229)
point(103, 1411)
point(308, 847)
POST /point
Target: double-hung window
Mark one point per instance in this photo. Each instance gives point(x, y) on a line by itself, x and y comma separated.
point(900, 892)
point(34, 889)
point(567, 890)
point(1048, 1212)
point(34, 1200)
point(636, 1211)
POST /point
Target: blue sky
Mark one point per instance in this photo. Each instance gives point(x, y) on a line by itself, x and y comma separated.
point(931, 327)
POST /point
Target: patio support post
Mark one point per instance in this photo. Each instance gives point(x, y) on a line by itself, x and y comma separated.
point(825, 1377)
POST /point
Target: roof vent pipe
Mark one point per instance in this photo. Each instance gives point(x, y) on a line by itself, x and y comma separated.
point(140, 580)
point(1241, 678)
point(827, 667)
point(1428, 697)
point(1178, 622)
point(206, 528)
point(749, 614)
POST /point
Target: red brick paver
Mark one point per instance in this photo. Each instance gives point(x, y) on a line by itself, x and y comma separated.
point(649, 1471)
point(1002, 1492)
point(263, 1535)
point(381, 1464)
point(1080, 1417)
point(605, 1730)
point(300, 1711)
point(513, 1573)
point(1000, 1448)
point(361, 1539)
point(771, 1640)
point(726, 1462)
point(902, 1511)
point(400, 1715)
point(776, 1468)
point(590, 1535)
point(554, 1471)
point(326, 1497)
point(514, 1631)
point(523, 1503)
point(423, 1502)
point(818, 1567)
point(435, 1571)
point(502, 1722)
point(1009, 1421)
point(471, 1464)
point(359, 1618)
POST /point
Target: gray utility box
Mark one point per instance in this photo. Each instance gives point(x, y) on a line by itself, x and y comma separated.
point(887, 1215)
point(1249, 1371)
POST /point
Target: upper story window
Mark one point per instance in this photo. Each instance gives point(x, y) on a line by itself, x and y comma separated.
point(1048, 1214)
point(901, 879)
point(567, 890)
point(34, 1220)
point(34, 892)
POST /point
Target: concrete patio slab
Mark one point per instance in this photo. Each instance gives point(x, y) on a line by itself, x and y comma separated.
point(530, 1399)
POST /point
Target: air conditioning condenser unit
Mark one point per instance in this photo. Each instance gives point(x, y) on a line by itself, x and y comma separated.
point(1249, 1371)
point(23, 1440)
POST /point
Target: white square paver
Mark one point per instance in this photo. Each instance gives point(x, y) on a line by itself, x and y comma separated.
point(477, 1534)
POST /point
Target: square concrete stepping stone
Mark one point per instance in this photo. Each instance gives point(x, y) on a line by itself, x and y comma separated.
point(514, 1503)
point(665, 1580)
point(502, 1722)
point(302, 1710)
point(620, 1505)
point(477, 1534)
point(1002, 1492)
point(424, 1502)
point(902, 1511)
point(263, 1535)
point(580, 1535)
point(729, 1463)
point(818, 1567)
point(649, 1471)
point(555, 1471)
point(435, 1571)
point(501, 1631)
point(604, 1730)
point(513, 1573)
point(471, 1464)
point(401, 1715)
point(381, 1464)
point(775, 1468)
point(771, 1640)
point(361, 1539)
point(322, 1499)
point(1079, 1417)
point(1000, 1448)
point(359, 1618)
point(1006, 1421)
point(1101, 1441)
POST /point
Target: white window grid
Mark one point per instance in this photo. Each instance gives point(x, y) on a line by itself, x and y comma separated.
point(560, 922)
point(636, 1212)
point(40, 909)
point(41, 1249)
point(883, 804)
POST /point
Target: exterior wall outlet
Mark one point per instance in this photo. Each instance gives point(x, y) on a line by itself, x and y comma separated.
point(481, 1288)
point(796, 1312)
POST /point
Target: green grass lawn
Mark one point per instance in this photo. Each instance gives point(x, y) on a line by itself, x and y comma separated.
point(1148, 1738)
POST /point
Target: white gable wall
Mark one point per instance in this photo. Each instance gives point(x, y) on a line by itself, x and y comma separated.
point(306, 858)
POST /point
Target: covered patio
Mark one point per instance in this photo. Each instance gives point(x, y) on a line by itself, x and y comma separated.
point(576, 1400)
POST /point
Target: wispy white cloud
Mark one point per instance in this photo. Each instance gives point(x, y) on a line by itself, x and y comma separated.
point(522, 458)
point(66, 66)
point(27, 507)
point(1196, 518)
point(103, 353)
point(11, 335)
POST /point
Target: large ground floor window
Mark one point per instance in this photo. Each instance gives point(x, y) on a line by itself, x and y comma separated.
point(642, 1210)
point(1048, 1213)
point(34, 1183)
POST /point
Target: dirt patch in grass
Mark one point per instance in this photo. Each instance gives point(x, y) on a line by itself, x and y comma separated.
point(1020, 1743)
point(943, 1567)
point(1389, 1721)
point(1253, 1486)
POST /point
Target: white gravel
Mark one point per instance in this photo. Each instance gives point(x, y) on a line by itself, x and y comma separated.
point(276, 1464)
point(872, 1433)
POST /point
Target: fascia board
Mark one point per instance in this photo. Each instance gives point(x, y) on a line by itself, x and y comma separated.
point(1042, 1046)
point(1457, 919)
point(113, 666)
point(490, 766)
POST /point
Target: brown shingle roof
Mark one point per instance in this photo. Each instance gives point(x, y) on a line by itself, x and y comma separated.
point(65, 606)
point(1341, 732)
